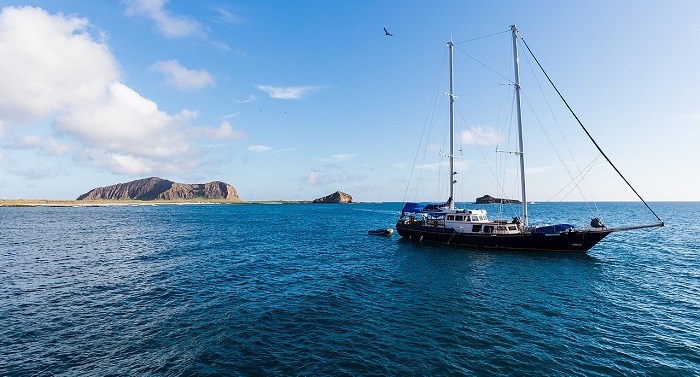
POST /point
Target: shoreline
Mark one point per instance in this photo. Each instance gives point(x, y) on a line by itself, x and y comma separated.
point(105, 203)
point(129, 202)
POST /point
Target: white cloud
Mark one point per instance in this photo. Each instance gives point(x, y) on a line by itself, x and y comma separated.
point(479, 135)
point(182, 78)
point(288, 92)
point(130, 165)
point(171, 26)
point(315, 178)
point(133, 165)
point(49, 62)
point(265, 148)
point(49, 146)
point(229, 116)
point(259, 148)
point(52, 68)
point(123, 121)
point(251, 97)
point(224, 132)
point(226, 17)
point(284, 150)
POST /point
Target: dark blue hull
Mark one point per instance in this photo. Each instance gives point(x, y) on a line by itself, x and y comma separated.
point(574, 241)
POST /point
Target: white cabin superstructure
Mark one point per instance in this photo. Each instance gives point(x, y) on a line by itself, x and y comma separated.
point(473, 221)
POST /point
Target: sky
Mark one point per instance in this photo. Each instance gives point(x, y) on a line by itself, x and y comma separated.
point(294, 100)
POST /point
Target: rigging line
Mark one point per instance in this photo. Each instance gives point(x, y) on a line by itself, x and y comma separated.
point(551, 142)
point(482, 64)
point(587, 133)
point(439, 184)
point(476, 142)
point(596, 211)
point(582, 175)
point(425, 125)
point(508, 124)
point(482, 37)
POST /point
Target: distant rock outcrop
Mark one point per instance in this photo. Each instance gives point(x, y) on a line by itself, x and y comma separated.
point(488, 199)
point(336, 197)
point(155, 188)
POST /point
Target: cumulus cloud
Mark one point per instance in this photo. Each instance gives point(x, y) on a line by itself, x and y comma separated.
point(53, 69)
point(130, 165)
point(479, 135)
point(288, 92)
point(182, 78)
point(171, 26)
point(124, 121)
point(49, 63)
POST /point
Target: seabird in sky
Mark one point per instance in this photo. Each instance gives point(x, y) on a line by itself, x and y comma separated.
point(387, 33)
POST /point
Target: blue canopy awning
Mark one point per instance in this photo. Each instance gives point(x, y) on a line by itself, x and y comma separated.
point(423, 207)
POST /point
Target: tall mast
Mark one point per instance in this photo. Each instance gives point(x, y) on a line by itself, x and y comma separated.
point(520, 124)
point(452, 128)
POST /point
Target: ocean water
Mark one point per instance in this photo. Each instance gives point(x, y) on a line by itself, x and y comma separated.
point(300, 289)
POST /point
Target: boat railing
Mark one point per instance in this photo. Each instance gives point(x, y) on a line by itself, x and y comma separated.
point(422, 221)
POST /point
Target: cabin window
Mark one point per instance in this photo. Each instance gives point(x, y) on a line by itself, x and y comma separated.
point(450, 217)
point(475, 218)
point(511, 227)
point(476, 228)
point(459, 218)
point(488, 229)
point(501, 228)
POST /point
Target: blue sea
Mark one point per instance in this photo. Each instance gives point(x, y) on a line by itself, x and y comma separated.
point(303, 290)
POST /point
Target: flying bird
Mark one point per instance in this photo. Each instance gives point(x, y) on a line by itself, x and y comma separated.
point(387, 33)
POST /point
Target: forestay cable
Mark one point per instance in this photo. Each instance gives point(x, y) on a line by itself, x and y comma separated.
point(586, 131)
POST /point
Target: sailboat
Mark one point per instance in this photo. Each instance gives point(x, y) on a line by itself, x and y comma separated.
point(444, 223)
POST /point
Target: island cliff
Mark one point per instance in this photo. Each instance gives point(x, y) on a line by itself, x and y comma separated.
point(488, 199)
point(155, 188)
point(336, 197)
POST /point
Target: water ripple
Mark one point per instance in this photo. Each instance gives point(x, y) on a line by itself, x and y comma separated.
point(303, 290)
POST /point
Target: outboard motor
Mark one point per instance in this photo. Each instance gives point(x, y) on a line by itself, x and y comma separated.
point(597, 222)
